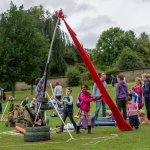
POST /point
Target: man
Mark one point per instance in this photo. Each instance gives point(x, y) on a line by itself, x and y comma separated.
point(112, 80)
point(100, 102)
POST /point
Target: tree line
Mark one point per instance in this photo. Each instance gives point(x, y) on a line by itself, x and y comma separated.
point(25, 37)
point(120, 50)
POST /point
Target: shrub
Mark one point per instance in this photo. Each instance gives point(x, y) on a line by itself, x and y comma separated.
point(129, 59)
point(86, 79)
point(81, 67)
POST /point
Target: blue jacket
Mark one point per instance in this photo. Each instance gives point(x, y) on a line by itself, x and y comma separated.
point(136, 98)
point(96, 91)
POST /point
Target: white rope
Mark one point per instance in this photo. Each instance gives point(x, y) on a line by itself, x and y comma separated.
point(49, 54)
point(4, 111)
point(37, 114)
point(59, 114)
point(101, 139)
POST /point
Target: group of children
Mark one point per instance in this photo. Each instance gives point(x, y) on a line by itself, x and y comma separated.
point(84, 110)
point(134, 99)
point(129, 103)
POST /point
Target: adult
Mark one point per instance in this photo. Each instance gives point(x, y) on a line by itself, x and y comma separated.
point(58, 91)
point(112, 80)
point(100, 102)
point(146, 93)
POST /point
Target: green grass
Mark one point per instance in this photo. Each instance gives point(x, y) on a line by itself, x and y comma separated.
point(104, 138)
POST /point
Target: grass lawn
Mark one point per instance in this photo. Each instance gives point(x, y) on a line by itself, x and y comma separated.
point(104, 138)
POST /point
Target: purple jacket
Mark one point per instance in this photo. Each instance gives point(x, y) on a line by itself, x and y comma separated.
point(121, 90)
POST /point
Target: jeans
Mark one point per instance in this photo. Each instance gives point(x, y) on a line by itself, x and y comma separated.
point(147, 104)
point(134, 121)
point(121, 104)
point(98, 105)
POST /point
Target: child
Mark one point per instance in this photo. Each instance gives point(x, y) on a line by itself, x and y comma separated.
point(121, 94)
point(138, 86)
point(11, 106)
point(67, 103)
point(84, 113)
point(146, 93)
point(132, 113)
point(136, 98)
point(143, 118)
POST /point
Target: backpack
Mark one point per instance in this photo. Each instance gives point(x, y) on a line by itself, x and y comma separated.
point(78, 101)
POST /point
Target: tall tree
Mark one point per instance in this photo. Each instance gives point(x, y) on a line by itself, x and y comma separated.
point(57, 64)
point(23, 47)
point(129, 59)
point(142, 47)
point(110, 44)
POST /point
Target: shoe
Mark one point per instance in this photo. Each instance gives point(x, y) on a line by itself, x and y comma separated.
point(89, 130)
point(136, 127)
point(78, 130)
point(59, 131)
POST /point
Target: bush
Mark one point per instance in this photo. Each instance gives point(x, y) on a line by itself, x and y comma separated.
point(85, 78)
point(73, 77)
point(129, 59)
point(81, 67)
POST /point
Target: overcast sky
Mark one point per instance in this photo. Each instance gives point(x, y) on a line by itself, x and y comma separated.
point(89, 18)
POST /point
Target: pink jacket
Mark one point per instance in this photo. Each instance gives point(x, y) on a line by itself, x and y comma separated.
point(85, 99)
point(138, 90)
point(132, 109)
